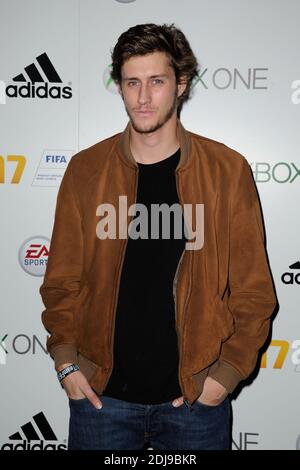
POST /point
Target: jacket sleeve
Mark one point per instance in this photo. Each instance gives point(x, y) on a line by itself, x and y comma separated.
point(61, 284)
point(252, 298)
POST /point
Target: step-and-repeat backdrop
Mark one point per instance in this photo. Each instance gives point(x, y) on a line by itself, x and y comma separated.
point(56, 98)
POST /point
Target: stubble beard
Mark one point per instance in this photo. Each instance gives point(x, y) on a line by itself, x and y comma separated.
point(165, 118)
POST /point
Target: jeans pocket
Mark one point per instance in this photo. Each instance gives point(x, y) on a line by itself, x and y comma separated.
point(77, 400)
point(204, 405)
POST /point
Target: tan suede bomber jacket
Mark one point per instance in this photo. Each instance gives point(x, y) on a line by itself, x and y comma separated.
point(223, 292)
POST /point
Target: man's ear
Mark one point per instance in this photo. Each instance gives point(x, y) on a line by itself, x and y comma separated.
point(181, 86)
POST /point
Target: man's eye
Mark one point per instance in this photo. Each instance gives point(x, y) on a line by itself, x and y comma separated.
point(155, 81)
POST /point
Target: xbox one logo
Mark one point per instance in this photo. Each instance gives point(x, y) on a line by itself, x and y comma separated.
point(125, 1)
point(108, 81)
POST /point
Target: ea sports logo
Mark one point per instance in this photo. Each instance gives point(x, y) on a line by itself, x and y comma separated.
point(108, 81)
point(33, 255)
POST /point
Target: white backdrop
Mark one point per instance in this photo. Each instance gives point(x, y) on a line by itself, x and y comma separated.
point(248, 97)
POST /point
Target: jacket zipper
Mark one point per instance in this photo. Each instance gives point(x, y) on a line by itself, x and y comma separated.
point(175, 303)
point(118, 286)
point(176, 326)
point(174, 295)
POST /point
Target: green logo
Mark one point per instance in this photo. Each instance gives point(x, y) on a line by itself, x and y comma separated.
point(108, 81)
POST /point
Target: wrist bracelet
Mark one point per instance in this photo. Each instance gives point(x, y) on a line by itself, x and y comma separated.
point(66, 371)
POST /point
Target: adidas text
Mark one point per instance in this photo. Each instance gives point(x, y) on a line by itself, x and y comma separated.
point(30, 90)
point(27, 445)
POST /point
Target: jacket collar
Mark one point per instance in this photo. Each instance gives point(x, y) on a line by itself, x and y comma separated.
point(184, 141)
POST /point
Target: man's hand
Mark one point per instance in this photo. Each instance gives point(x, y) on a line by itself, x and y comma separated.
point(213, 394)
point(77, 387)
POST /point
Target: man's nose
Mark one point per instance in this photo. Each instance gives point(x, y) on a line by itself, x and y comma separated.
point(144, 94)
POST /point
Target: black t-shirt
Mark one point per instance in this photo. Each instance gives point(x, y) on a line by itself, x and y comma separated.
point(146, 357)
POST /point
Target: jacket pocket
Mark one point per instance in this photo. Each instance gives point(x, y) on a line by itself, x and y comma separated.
point(81, 307)
point(224, 318)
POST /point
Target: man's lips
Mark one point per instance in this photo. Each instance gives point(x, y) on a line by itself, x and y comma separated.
point(144, 113)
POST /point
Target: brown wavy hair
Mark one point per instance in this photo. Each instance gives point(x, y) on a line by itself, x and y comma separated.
point(146, 38)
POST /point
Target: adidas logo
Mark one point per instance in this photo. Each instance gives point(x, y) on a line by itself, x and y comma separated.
point(295, 265)
point(40, 431)
point(43, 72)
point(290, 277)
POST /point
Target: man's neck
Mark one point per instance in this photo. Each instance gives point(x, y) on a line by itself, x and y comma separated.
point(156, 146)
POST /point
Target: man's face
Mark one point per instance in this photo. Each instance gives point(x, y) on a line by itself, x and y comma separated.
point(149, 91)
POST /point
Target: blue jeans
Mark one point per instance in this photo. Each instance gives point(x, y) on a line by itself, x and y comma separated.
point(121, 425)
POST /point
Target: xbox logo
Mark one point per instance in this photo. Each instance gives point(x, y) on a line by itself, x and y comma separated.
point(108, 81)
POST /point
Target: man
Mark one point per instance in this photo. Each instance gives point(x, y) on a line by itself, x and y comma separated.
point(150, 335)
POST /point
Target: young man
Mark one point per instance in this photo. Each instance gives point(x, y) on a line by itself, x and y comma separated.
point(151, 333)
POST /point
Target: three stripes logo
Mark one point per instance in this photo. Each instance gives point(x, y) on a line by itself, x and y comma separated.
point(40, 80)
point(37, 430)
